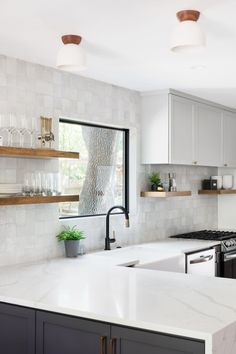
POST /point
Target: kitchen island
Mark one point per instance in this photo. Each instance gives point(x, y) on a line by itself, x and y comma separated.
point(99, 287)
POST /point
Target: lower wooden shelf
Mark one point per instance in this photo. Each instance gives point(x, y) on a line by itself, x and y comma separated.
point(165, 194)
point(217, 191)
point(38, 199)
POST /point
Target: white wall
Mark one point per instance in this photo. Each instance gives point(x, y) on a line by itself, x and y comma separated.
point(27, 233)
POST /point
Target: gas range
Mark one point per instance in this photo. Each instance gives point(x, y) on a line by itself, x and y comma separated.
point(227, 239)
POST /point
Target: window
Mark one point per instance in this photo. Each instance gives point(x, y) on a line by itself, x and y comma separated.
point(100, 176)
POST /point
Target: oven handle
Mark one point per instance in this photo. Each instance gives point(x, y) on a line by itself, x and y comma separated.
point(228, 257)
point(202, 259)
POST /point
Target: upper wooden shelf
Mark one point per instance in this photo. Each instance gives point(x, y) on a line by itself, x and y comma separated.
point(165, 194)
point(217, 191)
point(6, 151)
point(20, 200)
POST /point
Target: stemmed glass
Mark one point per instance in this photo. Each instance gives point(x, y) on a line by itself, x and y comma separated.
point(6, 129)
point(15, 131)
point(33, 132)
point(29, 132)
point(4, 133)
point(22, 128)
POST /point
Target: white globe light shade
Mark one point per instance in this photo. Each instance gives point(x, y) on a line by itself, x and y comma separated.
point(71, 57)
point(187, 36)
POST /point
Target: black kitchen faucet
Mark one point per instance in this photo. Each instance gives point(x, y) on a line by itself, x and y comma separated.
point(109, 240)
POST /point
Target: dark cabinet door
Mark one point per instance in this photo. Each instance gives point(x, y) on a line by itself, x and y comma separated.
point(132, 341)
point(229, 269)
point(59, 334)
point(234, 268)
point(17, 330)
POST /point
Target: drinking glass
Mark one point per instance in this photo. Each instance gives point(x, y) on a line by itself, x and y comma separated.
point(49, 179)
point(28, 184)
point(47, 183)
point(44, 183)
point(38, 183)
point(56, 184)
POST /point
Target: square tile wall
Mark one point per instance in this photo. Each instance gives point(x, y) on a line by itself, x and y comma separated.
point(27, 233)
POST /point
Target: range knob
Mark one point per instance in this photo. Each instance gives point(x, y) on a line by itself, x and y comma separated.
point(228, 243)
point(233, 242)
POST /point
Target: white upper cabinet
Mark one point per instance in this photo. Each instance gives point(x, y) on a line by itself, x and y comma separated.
point(182, 112)
point(187, 131)
point(208, 135)
point(229, 139)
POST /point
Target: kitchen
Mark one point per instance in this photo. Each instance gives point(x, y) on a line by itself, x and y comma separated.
point(137, 298)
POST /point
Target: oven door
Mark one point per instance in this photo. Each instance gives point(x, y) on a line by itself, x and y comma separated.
point(229, 265)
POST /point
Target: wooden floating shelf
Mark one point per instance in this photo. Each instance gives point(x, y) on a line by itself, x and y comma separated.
point(217, 191)
point(38, 199)
point(6, 151)
point(165, 194)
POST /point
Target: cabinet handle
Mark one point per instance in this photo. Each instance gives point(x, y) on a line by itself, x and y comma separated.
point(112, 346)
point(102, 345)
point(195, 162)
point(226, 165)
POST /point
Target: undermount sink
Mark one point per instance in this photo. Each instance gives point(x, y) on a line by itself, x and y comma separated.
point(172, 264)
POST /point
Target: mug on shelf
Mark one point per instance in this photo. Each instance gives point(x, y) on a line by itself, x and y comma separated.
point(228, 182)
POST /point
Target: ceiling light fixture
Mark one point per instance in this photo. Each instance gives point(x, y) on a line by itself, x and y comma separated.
point(71, 57)
point(188, 35)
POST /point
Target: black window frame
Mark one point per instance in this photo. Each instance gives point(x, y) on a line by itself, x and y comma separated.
point(126, 163)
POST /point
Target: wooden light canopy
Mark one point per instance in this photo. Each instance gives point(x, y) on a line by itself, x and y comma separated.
point(188, 15)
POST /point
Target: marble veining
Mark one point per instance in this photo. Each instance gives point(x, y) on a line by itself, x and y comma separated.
point(95, 286)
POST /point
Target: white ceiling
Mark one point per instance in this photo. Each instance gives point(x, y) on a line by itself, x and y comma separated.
point(127, 41)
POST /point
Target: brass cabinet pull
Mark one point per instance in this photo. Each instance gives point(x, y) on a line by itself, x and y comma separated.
point(103, 345)
point(112, 346)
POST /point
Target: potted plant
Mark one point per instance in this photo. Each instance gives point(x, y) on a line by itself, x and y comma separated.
point(71, 237)
point(155, 181)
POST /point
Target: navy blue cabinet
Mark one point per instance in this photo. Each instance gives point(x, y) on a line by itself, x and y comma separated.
point(131, 341)
point(28, 331)
point(17, 330)
point(59, 334)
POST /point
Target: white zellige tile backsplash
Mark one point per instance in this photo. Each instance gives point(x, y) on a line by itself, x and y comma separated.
point(27, 233)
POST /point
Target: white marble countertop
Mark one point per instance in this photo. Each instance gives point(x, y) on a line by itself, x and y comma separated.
point(95, 287)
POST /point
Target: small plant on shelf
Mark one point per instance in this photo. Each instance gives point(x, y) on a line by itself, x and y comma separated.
point(155, 181)
point(71, 237)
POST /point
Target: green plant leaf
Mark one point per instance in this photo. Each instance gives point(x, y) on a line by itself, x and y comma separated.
point(154, 178)
point(70, 233)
